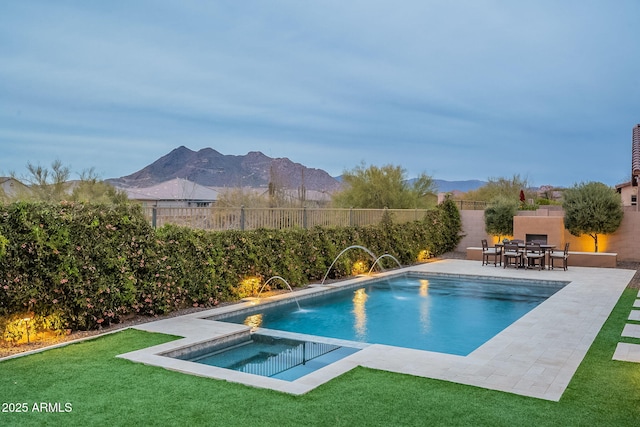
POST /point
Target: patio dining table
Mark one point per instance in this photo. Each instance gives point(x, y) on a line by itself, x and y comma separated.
point(522, 245)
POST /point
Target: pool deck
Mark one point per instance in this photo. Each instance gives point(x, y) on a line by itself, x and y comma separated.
point(536, 356)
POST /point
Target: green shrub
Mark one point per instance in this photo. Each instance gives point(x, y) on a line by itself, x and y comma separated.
point(84, 266)
point(498, 216)
point(3, 245)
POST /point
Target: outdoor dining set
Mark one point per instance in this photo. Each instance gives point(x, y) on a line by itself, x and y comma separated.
point(520, 254)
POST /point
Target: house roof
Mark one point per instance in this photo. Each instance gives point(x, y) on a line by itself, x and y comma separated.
point(11, 185)
point(175, 189)
point(624, 185)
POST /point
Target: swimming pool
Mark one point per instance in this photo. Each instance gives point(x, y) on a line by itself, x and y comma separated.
point(441, 313)
point(535, 356)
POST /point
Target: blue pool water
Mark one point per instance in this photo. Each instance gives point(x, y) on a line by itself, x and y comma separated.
point(446, 314)
point(268, 356)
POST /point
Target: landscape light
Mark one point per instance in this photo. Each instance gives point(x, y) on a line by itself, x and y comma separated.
point(249, 286)
point(424, 255)
point(26, 320)
point(359, 267)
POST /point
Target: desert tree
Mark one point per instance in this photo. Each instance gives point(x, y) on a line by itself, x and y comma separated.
point(498, 216)
point(501, 187)
point(237, 196)
point(376, 187)
point(276, 189)
point(592, 208)
point(53, 185)
point(90, 188)
point(4, 197)
point(48, 184)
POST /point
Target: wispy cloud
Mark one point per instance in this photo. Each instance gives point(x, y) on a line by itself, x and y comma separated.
point(460, 89)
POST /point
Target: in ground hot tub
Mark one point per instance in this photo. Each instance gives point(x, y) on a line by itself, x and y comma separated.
point(266, 355)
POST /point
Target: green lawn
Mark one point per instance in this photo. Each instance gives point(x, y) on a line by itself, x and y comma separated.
point(103, 390)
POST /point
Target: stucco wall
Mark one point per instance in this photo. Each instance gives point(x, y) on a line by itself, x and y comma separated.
point(472, 229)
point(625, 241)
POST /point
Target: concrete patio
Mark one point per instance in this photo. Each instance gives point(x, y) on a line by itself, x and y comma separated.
point(536, 356)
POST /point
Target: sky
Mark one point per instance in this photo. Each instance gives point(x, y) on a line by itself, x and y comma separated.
point(458, 90)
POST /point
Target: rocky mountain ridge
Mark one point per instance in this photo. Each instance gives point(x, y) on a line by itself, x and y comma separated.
point(210, 168)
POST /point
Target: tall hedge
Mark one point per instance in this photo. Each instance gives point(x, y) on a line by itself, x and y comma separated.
point(83, 266)
point(83, 263)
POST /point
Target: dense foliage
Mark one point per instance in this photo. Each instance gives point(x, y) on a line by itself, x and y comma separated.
point(80, 266)
point(495, 188)
point(52, 185)
point(498, 216)
point(376, 187)
point(592, 208)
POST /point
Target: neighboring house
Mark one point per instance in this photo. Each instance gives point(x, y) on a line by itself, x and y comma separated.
point(628, 193)
point(177, 192)
point(12, 187)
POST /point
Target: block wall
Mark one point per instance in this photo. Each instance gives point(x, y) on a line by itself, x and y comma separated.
point(625, 241)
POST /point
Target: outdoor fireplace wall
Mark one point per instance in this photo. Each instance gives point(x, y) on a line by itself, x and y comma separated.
point(540, 237)
point(539, 227)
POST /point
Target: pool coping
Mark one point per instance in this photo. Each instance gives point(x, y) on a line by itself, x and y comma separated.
point(536, 356)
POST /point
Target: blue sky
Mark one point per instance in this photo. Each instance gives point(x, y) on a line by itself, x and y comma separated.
point(549, 90)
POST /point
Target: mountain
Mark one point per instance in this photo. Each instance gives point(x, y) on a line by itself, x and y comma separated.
point(210, 168)
point(462, 186)
point(443, 186)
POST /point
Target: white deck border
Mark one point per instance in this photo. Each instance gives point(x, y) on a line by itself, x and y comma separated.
point(536, 356)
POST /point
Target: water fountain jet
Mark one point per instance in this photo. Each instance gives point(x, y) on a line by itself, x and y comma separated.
point(284, 281)
point(384, 256)
point(343, 251)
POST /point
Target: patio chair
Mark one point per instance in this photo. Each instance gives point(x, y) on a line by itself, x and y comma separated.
point(559, 255)
point(534, 256)
point(487, 253)
point(512, 255)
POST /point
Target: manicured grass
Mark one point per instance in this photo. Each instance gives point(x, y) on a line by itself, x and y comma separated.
point(104, 390)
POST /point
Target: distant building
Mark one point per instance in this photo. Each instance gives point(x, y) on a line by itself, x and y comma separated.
point(11, 187)
point(177, 192)
point(629, 190)
point(549, 192)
